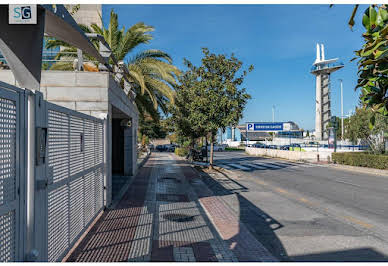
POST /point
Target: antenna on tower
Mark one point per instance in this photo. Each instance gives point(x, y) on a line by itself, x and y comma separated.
point(318, 58)
point(322, 53)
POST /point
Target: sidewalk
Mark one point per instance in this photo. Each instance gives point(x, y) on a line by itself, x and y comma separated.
point(169, 214)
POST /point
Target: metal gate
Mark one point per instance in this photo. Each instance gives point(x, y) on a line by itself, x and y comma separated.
point(75, 176)
point(12, 172)
point(48, 194)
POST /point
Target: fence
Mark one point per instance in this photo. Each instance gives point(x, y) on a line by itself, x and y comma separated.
point(52, 175)
point(75, 177)
point(12, 172)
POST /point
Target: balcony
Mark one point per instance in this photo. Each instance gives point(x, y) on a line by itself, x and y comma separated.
point(328, 68)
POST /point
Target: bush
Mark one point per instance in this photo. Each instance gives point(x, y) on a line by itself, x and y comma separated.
point(181, 151)
point(361, 159)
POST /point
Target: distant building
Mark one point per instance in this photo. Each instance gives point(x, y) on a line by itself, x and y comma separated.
point(239, 133)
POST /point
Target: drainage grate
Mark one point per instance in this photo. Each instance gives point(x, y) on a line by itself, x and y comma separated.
point(178, 217)
point(170, 178)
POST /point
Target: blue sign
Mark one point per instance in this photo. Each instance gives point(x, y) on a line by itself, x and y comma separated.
point(264, 126)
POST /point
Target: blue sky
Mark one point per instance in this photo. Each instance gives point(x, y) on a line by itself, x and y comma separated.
point(279, 40)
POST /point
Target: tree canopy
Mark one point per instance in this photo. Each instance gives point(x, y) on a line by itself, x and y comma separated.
point(359, 128)
point(209, 96)
point(373, 60)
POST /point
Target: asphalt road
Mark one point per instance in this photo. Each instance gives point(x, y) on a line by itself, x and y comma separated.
point(308, 212)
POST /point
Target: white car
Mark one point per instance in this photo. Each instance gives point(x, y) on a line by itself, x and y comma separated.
point(218, 147)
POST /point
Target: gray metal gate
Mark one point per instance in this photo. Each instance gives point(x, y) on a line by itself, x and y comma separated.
point(46, 205)
point(12, 172)
point(75, 176)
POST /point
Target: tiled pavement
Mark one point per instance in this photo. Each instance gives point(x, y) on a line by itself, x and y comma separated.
point(169, 214)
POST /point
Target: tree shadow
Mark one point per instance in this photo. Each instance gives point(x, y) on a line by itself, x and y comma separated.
point(262, 226)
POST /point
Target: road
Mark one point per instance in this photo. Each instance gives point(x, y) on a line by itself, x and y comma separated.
point(309, 212)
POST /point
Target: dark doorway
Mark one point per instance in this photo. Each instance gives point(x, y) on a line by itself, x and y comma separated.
point(117, 147)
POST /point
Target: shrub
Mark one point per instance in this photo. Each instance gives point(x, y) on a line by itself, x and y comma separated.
point(181, 151)
point(361, 159)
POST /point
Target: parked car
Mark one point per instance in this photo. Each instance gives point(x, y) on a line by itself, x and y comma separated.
point(259, 145)
point(161, 148)
point(170, 147)
point(285, 147)
point(295, 145)
point(217, 147)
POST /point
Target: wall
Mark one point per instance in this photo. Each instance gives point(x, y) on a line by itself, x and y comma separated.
point(92, 93)
point(290, 155)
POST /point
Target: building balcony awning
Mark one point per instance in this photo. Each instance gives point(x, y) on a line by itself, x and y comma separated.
point(21, 44)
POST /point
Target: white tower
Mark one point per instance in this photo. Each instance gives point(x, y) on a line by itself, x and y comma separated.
point(322, 69)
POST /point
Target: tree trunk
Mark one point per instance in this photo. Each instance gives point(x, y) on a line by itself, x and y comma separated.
point(211, 151)
point(207, 159)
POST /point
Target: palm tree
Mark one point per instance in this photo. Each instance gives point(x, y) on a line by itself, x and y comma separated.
point(151, 72)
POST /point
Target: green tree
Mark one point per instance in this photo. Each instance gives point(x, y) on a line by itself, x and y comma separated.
point(150, 129)
point(359, 128)
point(373, 59)
point(338, 125)
point(210, 97)
point(184, 112)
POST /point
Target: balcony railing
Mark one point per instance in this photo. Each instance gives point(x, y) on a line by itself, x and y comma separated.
point(319, 67)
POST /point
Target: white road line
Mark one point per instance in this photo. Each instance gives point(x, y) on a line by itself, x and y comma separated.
point(256, 166)
point(268, 165)
point(239, 166)
point(225, 166)
point(347, 183)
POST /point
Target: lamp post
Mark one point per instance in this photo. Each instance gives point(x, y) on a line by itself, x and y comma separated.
point(342, 112)
point(273, 113)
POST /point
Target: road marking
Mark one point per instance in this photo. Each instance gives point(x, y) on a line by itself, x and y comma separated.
point(347, 183)
point(275, 165)
point(356, 221)
point(256, 166)
point(282, 191)
point(225, 166)
point(239, 166)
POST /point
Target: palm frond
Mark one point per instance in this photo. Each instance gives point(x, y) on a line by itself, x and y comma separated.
point(151, 53)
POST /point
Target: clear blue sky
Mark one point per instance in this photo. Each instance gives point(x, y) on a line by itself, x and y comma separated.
point(279, 40)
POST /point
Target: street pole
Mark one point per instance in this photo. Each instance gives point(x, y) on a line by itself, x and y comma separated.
point(273, 113)
point(342, 112)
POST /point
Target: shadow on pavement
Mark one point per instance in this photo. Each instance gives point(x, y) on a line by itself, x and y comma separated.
point(262, 226)
point(350, 255)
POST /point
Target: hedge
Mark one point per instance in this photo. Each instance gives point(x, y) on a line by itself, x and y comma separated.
point(361, 159)
point(181, 151)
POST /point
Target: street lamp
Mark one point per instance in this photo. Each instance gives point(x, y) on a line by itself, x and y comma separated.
point(273, 113)
point(342, 112)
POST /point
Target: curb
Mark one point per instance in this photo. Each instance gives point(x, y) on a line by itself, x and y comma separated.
point(260, 250)
point(364, 170)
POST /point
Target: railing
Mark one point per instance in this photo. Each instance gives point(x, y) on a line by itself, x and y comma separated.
point(318, 67)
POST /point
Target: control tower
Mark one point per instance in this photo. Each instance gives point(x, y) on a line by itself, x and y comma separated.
point(322, 68)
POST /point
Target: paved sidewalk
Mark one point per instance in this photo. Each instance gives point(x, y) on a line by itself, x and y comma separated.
point(169, 214)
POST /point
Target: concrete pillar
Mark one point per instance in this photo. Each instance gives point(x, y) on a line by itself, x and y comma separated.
point(326, 114)
point(128, 147)
point(318, 107)
point(134, 145)
point(107, 159)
